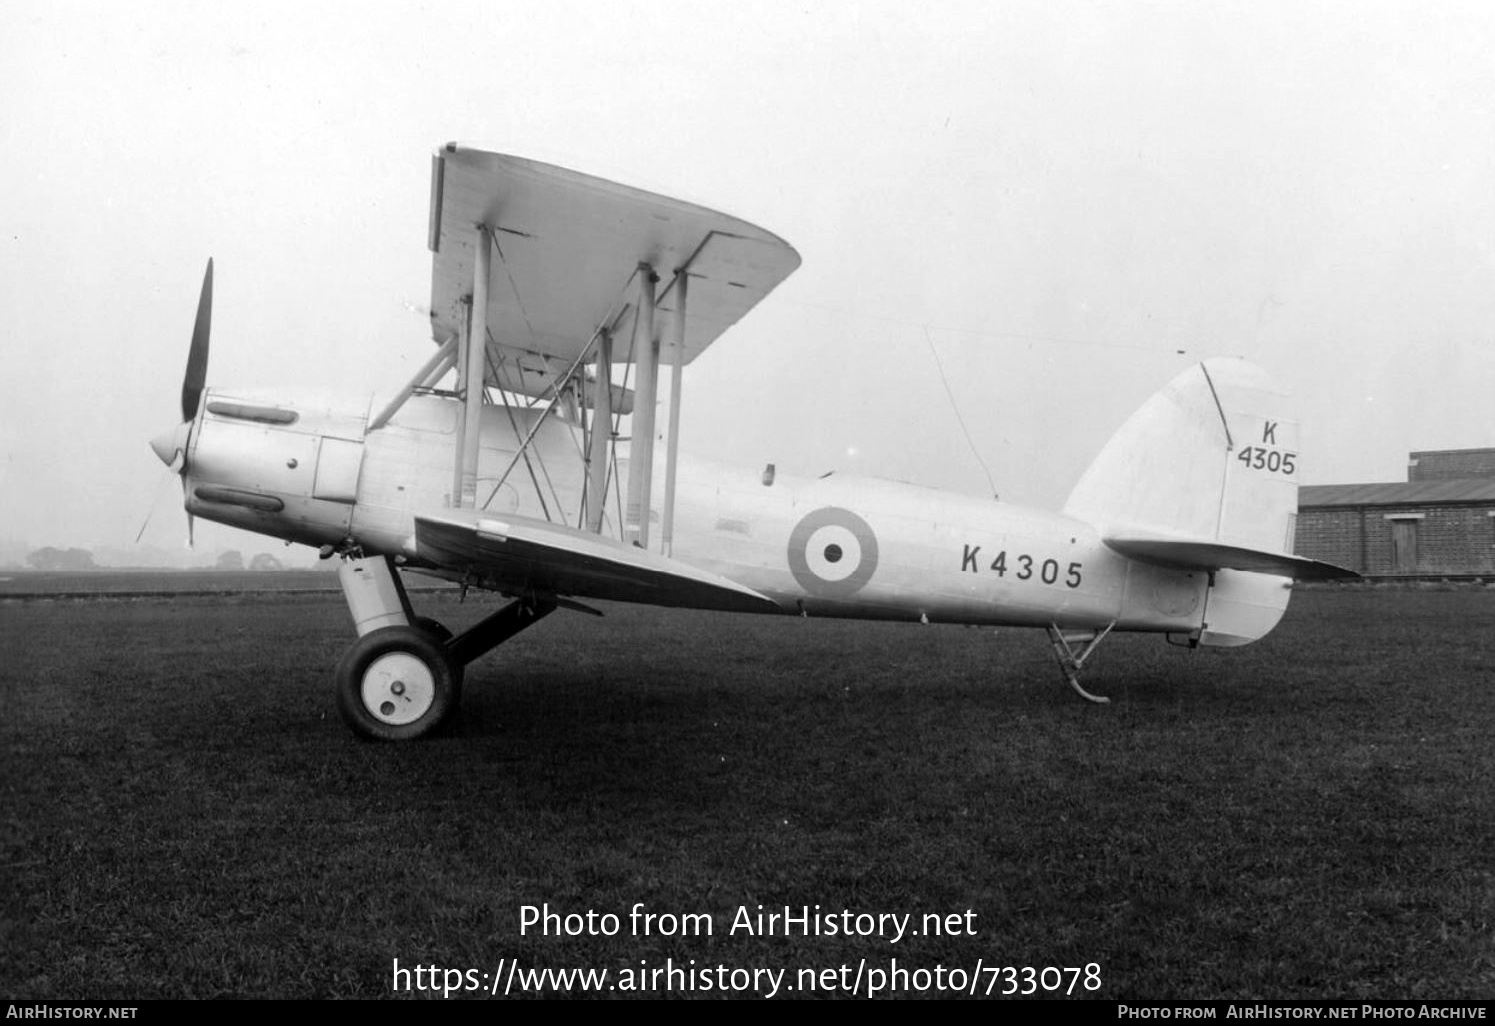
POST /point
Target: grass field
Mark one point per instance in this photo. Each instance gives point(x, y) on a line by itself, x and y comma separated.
point(184, 815)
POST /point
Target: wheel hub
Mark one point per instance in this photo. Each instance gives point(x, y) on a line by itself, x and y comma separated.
point(398, 688)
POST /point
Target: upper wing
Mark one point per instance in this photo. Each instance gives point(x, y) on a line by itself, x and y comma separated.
point(1201, 554)
point(566, 248)
point(520, 555)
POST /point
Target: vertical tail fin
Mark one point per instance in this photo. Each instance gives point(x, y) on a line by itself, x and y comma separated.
point(1212, 457)
point(1204, 476)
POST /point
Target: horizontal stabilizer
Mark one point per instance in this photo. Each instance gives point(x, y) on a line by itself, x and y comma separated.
point(1196, 554)
point(521, 555)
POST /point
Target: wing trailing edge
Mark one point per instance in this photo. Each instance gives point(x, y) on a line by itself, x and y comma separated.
point(1206, 555)
point(521, 555)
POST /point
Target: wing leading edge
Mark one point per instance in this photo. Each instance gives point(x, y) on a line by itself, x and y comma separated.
point(521, 555)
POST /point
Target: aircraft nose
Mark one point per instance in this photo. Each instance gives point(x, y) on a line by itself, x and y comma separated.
point(171, 445)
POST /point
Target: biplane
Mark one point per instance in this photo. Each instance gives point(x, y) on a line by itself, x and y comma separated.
point(536, 454)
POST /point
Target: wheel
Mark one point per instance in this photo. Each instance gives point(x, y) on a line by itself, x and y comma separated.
point(439, 632)
point(395, 684)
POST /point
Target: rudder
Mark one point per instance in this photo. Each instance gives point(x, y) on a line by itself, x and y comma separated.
point(1210, 460)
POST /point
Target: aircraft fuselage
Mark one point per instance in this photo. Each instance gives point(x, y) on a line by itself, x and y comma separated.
point(308, 471)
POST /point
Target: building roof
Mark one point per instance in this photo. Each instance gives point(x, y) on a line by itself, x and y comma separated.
point(1448, 452)
point(1399, 493)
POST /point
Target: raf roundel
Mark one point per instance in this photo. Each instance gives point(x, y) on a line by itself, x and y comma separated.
point(832, 552)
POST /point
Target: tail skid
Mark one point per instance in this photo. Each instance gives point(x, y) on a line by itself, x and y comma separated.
point(1071, 661)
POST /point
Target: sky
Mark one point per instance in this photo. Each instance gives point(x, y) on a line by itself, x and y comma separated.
point(1059, 205)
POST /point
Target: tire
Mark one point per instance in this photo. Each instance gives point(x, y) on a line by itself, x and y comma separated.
point(395, 684)
point(438, 631)
point(435, 628)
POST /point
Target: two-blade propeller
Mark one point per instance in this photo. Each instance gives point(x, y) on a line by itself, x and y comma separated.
point(195, 379)
point(171, 446)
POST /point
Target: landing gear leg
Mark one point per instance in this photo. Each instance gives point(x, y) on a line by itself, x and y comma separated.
point(397, 681)
point(1071, 649)
point(376, 595)
point(403, 676)
point(492, 631)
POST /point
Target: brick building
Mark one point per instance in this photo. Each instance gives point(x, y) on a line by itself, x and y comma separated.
point(1451, 464)
point(1440, 522)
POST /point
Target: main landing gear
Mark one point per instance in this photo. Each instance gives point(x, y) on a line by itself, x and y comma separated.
point(403, 676)
point(1071, 649)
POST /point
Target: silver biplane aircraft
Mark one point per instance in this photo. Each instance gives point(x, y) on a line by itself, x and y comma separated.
point(502, 465)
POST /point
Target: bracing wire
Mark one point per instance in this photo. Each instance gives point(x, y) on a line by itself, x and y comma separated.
point(555, 391)
point(538, 457)
point(513, 285)
point(514, 425)
point(955, 407)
